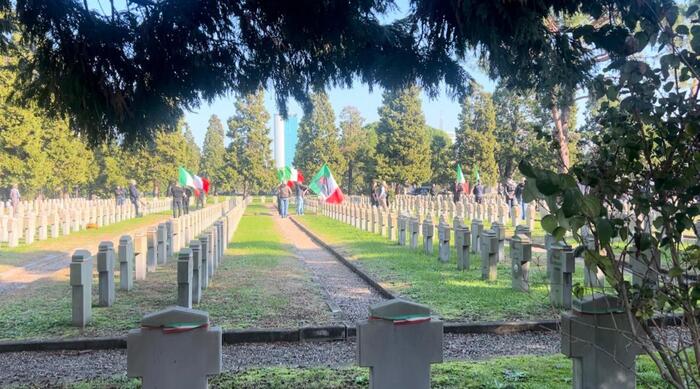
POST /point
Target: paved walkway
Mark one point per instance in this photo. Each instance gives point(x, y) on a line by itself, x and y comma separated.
point(347, 295)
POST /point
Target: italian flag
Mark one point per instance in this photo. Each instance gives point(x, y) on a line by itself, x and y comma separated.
point(460, 180)
point(289, 175)
point(324, 185)
point(185, 178)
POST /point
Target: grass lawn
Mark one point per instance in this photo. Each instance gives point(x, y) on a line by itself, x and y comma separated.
point(552, 372)
point(18, 256)
point(257, 284)
point(453, 294)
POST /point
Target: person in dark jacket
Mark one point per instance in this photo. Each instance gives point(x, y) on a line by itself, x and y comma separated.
point(186, 200)
point(478, 192)
point(177, 194)
point(134, 197)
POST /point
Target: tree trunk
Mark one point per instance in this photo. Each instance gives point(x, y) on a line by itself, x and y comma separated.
point(560, 133)
point(350, 177)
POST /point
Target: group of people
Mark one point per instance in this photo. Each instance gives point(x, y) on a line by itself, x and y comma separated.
point(134, 196)
point(284, 192)
point(181, 199)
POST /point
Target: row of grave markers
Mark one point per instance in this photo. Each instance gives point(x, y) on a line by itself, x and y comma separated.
point(208, 229)
point(408, 230)
point(54, 218)
point(178, 348)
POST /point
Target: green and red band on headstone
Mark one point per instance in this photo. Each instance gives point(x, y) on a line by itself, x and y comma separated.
point(174, 328)
point(403, 319)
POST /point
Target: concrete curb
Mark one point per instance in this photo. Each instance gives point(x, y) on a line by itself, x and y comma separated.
point(374, 284)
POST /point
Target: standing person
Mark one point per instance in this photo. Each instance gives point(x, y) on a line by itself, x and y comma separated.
point(519, 197)
point(510, 192)
point(134, 196)
point(119, 195)
point(14, 198)
point(284, 193)
point(279, 198)
point(186, 200)
point(383, 194)
point(201, 199)
point(478, 192)
point(178, 194)
point(459, 189)
point(301, 190)
point(374, 201)
point(433, 190)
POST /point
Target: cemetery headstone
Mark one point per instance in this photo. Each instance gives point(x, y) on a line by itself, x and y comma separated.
point(105, 268)
point(152, 244)
point(520, 254)
point(195, 246)
point(161, 250)
point(500, 231)
point(489, 261)
point(477, 229)
point(444, 244)
point(560, 280)
point(206, 263)
point(184, 278)
point(414, 226)
point(126, 260)
point(398, 343)
point(174, 348)
point(597, 336)
point(81, 285)
point(401, 221)
point(140, 253)
point(462, 239)
point(428, 231)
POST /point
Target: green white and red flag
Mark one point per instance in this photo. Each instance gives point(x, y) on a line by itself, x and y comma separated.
point(324, 185)
point(289, 175)
point(460, 180)
point(185, 178)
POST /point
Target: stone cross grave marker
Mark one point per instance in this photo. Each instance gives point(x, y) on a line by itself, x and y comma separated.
point(477, 229)
point(184, 278)
point(195, 245)
point(401, 221)
point(81, 285)
point(500, 231)
point(140, 253)
point(105, 268)
point(126, 262)
point(169, 247)
point(206, 263)
point(560, 279)
point(597, 336)
point(174, 348)
point(489, 261)
point(428, 231)
point(161, 249)
point(521, 255)
point(444, 240)
point(398, 343)
point(414, 226)
point(462, 240)
point(151, 261)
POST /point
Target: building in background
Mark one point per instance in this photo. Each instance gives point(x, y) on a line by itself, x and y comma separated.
point(291, 127)
point(278, 141)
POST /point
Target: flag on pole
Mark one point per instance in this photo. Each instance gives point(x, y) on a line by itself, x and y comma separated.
point(289, 175)
point(185, 178)
point(205, 185)
point(460, 180)
point(324, 185)
point(475, 173)
point(198, 183)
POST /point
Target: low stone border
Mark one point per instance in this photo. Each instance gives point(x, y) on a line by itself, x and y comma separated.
point(374, 284)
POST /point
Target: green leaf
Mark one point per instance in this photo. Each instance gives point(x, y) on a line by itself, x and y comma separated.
point(549, 223)
point(526, 169)
point(547, 183)
point(530, 193)
point(576, 222)
point(559, 233)
point(572, 202)
point(675, 272)
point(682, 29)
point(604, 230)
point(691, 10)
point(590, 206)
point(611, 93)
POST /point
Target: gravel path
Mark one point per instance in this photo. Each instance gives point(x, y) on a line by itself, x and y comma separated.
point(347, 295)
point(54, 368)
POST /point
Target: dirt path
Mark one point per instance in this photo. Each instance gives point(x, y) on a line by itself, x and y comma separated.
point(54, 262)
point(347, 294)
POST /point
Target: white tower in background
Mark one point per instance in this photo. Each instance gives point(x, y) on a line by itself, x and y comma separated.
point(278, 141)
